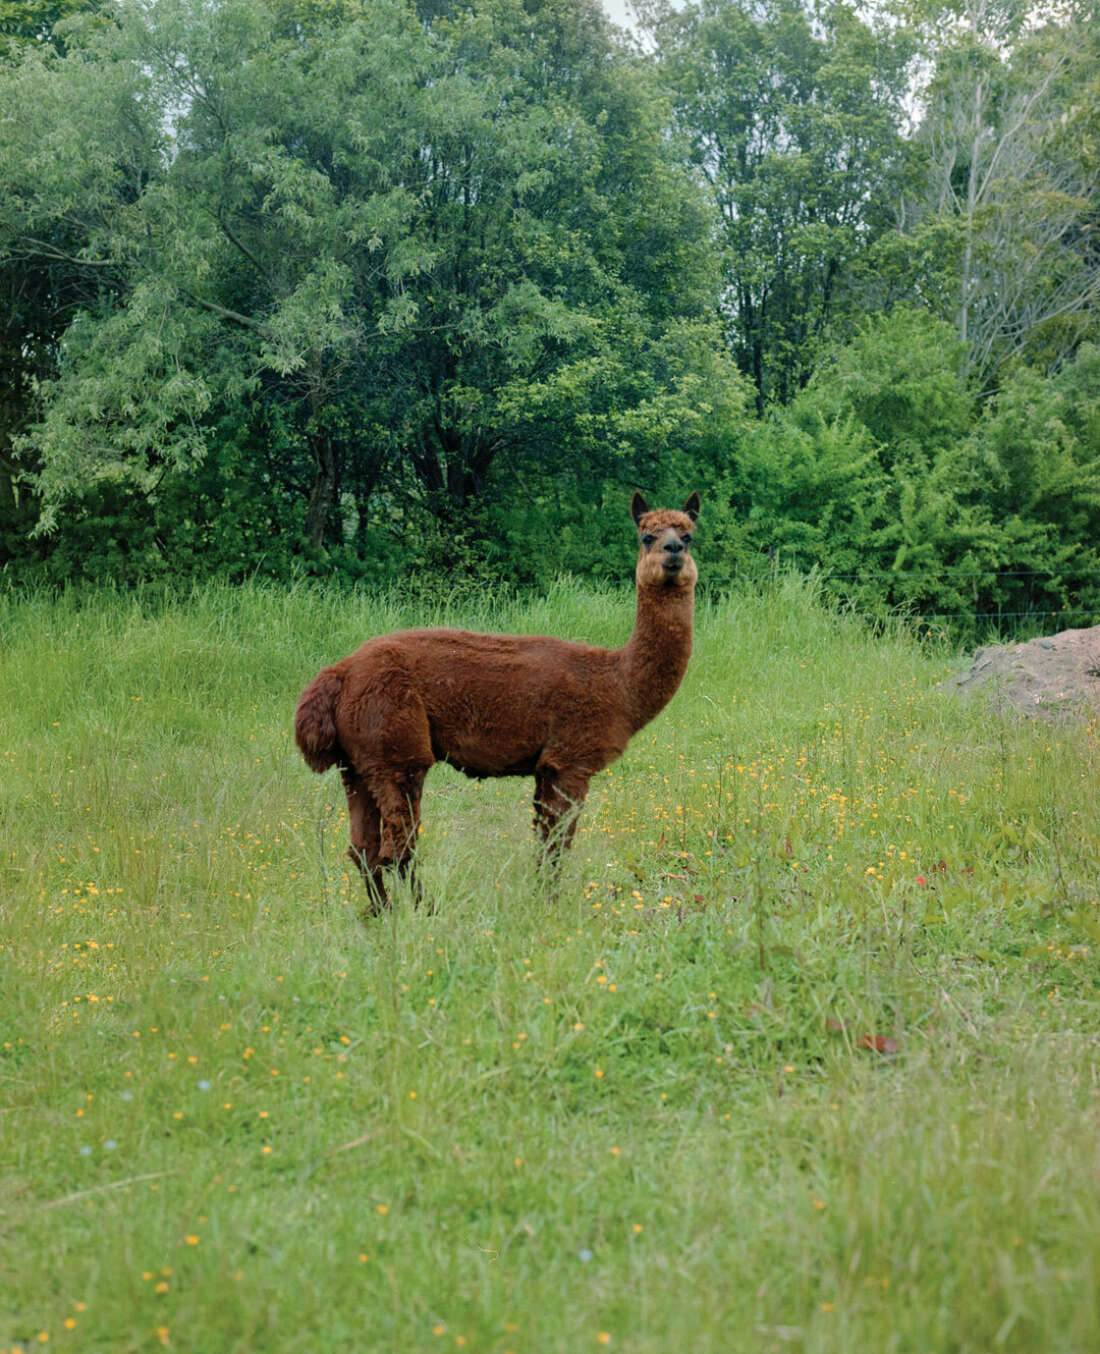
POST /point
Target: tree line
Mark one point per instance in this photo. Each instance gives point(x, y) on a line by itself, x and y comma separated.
point(413, 288)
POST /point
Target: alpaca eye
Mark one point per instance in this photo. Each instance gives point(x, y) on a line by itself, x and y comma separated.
point(687, 539)
point(648, 540)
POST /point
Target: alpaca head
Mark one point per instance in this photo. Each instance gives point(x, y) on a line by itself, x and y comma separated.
point(664, 536)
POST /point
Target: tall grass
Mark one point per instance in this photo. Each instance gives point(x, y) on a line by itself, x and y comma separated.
point(803, 1058)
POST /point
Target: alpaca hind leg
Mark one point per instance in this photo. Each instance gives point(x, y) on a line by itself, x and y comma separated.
point(365, 825)
point(399, 804)
point(387, 737)
point(559, 798)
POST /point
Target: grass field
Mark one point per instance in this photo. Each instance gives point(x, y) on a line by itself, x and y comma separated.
point(805, 1056)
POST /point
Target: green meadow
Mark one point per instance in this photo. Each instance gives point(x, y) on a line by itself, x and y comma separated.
point(804, 1056)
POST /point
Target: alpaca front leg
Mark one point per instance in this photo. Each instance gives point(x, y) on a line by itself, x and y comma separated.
point(559, 798)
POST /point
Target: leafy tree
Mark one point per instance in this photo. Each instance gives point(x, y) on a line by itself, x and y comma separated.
point(35, 23)
point(792, 111)
point(437, 244)
point(36, 295)
point(1009, 137)
point(898, 376)
point(799, 491)
point(1042, 480)
point(912, 495)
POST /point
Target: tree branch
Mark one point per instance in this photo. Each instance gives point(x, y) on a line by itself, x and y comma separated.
point(230, 235)
point(233, 316)
point(51, 251)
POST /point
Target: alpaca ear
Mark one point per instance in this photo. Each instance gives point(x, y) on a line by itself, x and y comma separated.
point(638, 508)
point(691, 507)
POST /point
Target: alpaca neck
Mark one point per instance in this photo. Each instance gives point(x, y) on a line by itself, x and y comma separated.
point(656, 655)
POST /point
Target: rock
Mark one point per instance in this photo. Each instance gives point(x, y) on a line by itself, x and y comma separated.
point(1050, 675)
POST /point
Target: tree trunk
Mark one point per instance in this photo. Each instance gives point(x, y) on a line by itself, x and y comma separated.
point(966, 282)
point(322, 495)
point(9, 498)
point(456, 477)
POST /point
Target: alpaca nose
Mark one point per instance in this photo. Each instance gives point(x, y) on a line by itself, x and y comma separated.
point(673, 547)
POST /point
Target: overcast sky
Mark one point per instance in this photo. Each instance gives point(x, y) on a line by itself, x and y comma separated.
point(616, 10)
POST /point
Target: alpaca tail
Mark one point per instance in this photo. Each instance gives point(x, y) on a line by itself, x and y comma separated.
point(315, 721)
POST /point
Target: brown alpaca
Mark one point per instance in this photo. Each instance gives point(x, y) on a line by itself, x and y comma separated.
point(498, 705)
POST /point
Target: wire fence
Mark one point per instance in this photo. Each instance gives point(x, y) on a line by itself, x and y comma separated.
point(914, 584)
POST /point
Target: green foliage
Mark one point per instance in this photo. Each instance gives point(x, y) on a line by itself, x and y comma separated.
point(792, 114)
point(1078, 386)
point(884, 477)
point(419, 291)
point(230, 518)
point(898, 375)
point(25, 23)
point(1004, 175)
point(431, 246)
point(795, 493)
point(1041, 483)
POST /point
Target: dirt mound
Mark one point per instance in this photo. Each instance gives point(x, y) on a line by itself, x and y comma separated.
point(1051, 675)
